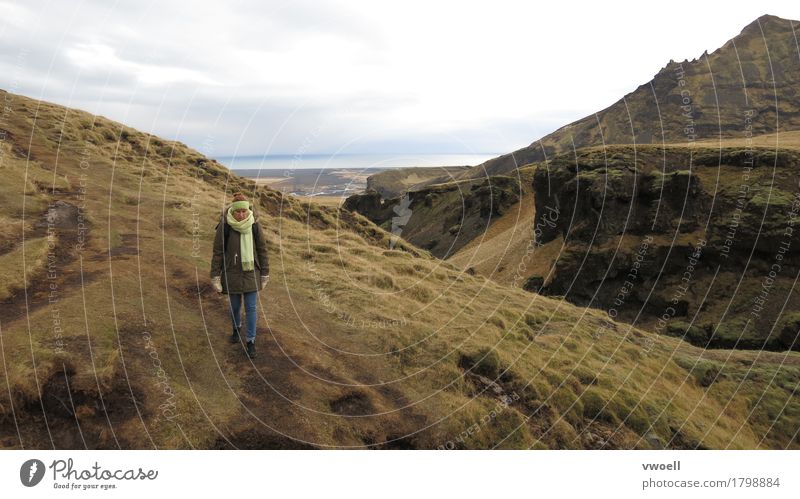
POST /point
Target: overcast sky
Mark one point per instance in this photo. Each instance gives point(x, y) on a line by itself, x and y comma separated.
point(302, 77)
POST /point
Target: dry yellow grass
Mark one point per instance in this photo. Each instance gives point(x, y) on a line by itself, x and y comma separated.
point(18, 266)
point(783, 140)
point(332, 201)
point(359, 345)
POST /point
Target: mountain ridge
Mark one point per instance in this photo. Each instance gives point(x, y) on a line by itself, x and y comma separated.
point(612, 125)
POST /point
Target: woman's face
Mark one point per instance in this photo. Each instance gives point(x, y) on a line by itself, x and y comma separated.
point(240, 214)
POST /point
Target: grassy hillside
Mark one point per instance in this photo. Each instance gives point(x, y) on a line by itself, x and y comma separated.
point(110, 335)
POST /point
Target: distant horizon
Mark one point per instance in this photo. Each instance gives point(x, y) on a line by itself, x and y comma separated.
point(291, 155)
point(352, 160)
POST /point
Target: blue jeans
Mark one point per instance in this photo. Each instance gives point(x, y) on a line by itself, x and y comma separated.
point(250, 301)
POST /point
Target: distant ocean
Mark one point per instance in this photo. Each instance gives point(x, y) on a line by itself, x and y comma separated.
point(330, 161)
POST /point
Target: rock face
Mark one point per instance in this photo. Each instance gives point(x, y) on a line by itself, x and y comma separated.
point(698, 243)
point(394, 182)
point(601, 201)
point(716, 95)
point(440, 218)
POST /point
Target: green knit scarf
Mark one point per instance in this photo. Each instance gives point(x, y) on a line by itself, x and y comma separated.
point(244, 228)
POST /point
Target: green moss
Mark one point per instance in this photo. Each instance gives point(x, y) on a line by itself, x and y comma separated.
point(568, 404)
point(562, 436)
point(692, 333)
point(773, 197)
point(585, 376)
point(630, 410)
point(736, 332)
point(705, 373)
point(509, 425)
point(485, 362)
point(596, 408)
point(554, 378)
point(746, 157)
point(601, 175)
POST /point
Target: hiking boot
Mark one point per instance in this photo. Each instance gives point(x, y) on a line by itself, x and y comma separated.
point(235, 335)
point(251, 349)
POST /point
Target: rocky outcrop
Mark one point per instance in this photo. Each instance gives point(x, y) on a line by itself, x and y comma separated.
point(394, 182)
point(696, 243)
point(440, 218)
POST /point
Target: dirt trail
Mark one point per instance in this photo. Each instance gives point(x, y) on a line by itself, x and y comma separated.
point(299, 394)
point(70, 235)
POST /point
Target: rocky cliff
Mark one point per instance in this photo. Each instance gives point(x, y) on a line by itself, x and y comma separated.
point(698, 243)
point(441, 218)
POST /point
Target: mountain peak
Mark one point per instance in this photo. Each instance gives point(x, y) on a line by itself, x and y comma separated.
point(748, 70)
point(758, 27)
point(764, 23)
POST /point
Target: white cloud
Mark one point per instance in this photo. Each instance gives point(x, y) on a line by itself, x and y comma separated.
point(96, 57)
point(416, 75)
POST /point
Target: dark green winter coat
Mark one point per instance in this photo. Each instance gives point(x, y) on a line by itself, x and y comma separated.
point(227, 262)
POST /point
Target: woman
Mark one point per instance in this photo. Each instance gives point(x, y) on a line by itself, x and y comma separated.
point(239, 266)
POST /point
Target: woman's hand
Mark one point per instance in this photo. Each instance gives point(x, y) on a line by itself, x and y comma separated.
point(264, 280)
point(216, 282)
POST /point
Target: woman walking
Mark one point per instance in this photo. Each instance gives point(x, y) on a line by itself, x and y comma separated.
point(240, 266)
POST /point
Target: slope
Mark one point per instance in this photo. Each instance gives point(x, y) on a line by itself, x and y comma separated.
point(110, 336)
